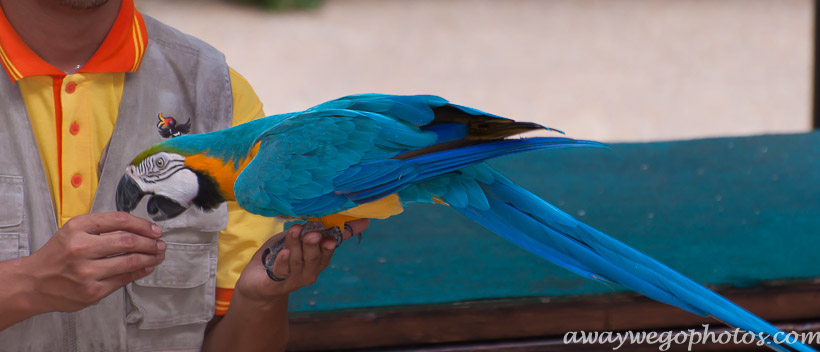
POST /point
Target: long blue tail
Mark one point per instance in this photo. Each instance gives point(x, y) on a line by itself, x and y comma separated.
point(537, 226)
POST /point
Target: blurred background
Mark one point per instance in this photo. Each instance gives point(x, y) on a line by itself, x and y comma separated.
point(730, 212)
point(626, 70)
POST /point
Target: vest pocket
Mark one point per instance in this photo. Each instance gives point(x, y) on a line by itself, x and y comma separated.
point(11, 217)
point(9, 246)
point(179, 291)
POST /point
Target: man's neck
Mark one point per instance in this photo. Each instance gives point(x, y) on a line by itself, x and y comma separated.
point(63, 37)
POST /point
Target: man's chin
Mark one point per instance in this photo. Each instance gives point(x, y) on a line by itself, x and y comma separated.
point(82, 4)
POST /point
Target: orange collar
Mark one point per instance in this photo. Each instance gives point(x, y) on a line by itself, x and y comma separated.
point(121, 51)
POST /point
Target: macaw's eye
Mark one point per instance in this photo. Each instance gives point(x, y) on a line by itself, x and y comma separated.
point(160, 162)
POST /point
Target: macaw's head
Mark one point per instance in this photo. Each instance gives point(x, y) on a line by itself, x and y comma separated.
point(172, 180)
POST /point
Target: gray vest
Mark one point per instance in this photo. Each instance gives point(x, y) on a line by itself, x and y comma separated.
point(181, 77)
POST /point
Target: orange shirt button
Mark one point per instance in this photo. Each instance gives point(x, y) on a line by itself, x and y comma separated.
point(74, 128)
point(70, 87)
point(76, 180)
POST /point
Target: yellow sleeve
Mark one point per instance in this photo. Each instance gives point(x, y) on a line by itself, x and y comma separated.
point(246, 105)
point(245, 232)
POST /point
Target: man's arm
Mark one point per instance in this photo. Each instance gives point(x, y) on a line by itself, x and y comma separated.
point(87, 259)
point(257, 319)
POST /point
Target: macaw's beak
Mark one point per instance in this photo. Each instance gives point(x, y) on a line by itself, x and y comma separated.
point(163, 208)
point(129, 194)
point(159, 208)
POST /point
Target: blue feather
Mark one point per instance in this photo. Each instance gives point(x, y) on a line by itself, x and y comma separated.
point(550, 233)
point(415, 109)
point(313, 206)
point(448, 132)
point(367, 175)
point(440, 163)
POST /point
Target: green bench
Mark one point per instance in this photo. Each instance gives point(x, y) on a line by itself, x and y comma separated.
point(739, 214)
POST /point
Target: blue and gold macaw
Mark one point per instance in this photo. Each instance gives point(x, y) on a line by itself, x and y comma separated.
point(366, 156)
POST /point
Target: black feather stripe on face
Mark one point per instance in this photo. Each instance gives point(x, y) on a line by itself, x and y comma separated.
point(208, 197)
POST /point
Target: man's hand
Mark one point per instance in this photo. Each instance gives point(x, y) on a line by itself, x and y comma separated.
point(299, 263)
point(90, 257)
point(257, 319)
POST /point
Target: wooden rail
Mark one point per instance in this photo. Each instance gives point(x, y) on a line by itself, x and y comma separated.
point(541, 322)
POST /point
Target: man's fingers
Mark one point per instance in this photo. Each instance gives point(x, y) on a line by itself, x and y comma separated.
point(115, 282)
point(119, 221)
point(310, 248)
point(124, 242)
point(293, 243)
point(327, 247)
point(125, 264)
point(303, 258)
point(281, 266)
point(358, 227)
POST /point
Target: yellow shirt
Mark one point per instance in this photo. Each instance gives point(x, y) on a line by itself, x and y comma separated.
point(73, 117)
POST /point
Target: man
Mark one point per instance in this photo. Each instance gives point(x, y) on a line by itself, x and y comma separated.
point(88, 84)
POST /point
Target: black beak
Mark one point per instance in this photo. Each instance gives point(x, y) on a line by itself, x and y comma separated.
point(163, 208)
point(129, 194)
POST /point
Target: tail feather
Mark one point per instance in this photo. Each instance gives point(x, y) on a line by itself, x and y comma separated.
point(539, 227)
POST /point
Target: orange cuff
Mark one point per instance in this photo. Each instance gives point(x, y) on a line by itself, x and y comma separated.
point(223, 300)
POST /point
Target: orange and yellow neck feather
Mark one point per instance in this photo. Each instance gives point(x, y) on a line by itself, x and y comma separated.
point(223, 172)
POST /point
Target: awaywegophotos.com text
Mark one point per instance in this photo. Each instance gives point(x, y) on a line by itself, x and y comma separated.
point(689, 338)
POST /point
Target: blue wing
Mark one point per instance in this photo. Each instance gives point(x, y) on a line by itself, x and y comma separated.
point(356, 149)
point(292, 173)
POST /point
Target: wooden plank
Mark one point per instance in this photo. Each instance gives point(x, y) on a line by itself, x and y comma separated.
point(529, 317)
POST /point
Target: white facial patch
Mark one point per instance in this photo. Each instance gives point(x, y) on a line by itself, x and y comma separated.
point(165, 174)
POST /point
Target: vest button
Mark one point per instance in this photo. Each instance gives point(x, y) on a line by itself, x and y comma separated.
point(74, 128)
point(76, 180)
point(70, 87)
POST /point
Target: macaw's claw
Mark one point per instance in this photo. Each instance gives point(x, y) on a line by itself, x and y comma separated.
point(269, 257)
point(270, 253)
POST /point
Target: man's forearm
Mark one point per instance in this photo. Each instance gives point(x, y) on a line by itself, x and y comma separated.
point(15, 297)
point(257, 319)
point(250, 326)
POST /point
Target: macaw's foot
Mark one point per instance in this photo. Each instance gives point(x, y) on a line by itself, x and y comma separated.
point(270, 253)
